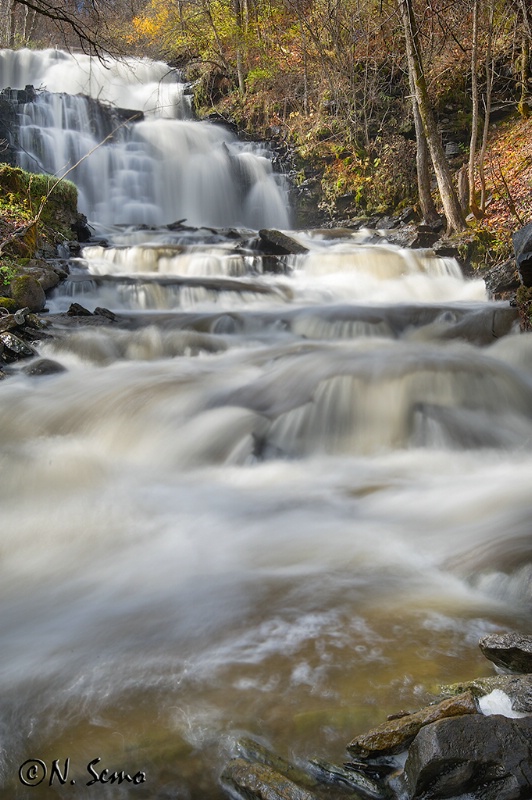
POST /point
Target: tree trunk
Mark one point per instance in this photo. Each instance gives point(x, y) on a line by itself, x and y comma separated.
point(463, 188)
point(237, 5)
point(305, 68)
point(523, 106)
point(490, 69)
point(428, 209)
point(11, 23)
point(451, 206)
point(474, 115)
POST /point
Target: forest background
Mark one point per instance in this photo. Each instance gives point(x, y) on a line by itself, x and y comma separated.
point(383, 104)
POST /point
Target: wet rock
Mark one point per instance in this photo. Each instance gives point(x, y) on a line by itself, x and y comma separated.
point(8, 322)
point(395, 735)
point(77, 310)
point(104, 312)
point(522, 242)
point(260, 782)
point(14, 347)
point(43, 366)
point(30, 327)
point(61, 269)
point(489, 758)
point(502, 281)
point(80, 228)
point(443, 249)
point(277, 243)
point(273, 264)
point(517, 687)
point(511, 651)
point(254, 752)
point(425, 237)
point(354, 778)
point(27, 292)
point(33, 322)
point(73, 248)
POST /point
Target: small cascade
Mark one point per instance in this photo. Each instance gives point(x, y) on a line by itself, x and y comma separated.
point(379, 272)
point(158, 169)
point(167, 260)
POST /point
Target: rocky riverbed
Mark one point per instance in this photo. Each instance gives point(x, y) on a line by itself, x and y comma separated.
point(475, 741)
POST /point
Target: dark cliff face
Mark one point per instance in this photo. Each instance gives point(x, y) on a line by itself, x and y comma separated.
point(8, 127)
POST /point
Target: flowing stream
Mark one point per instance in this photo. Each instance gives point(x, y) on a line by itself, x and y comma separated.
point(284, 505)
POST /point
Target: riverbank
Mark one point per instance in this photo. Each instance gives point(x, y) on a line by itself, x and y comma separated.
point(39, 229)
point(334, 182)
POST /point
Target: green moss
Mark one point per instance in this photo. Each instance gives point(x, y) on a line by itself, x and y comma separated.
point(483, 248)
point(23, 196)
point(9, 304)
point(26, 291)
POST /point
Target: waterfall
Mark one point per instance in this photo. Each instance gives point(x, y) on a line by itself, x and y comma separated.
point(164, 167)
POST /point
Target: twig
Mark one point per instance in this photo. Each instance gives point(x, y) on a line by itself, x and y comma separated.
point(509, 199)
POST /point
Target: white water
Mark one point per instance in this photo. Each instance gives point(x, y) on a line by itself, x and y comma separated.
point(156, 171)
point(281, 504)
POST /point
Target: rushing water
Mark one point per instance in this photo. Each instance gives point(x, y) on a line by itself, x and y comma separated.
point(285, 505)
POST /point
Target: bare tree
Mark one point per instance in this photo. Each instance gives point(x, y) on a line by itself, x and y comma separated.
point(82, 24)
point(489, 69)
point(428, 209)
point(475, 110)
point(451, 205)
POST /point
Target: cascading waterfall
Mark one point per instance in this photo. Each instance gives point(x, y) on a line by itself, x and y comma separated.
point(284, 503)
point(163, 168)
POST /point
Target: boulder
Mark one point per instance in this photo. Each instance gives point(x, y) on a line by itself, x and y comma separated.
point(489, 758)
point(27, 292)
point(277, 243)
point(522, 242)
point(395, 735)
point(77, 310)
point(47, 275)
point(420, 237)
point(43, 366)
point(13, 347)
point(511, 651)
point(260, 782)
point(502, 281)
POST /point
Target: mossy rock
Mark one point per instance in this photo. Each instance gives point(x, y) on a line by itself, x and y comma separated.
point(27, 292)
point(9, 304)
point(21, 196)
